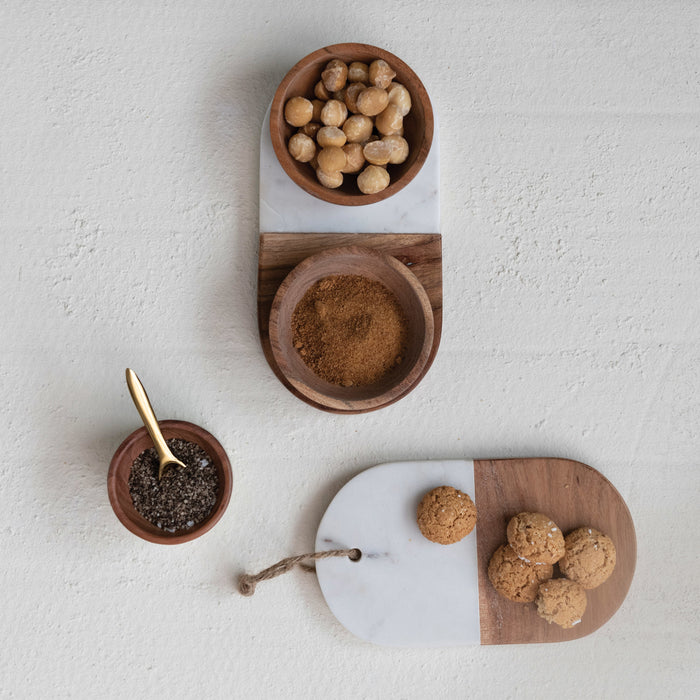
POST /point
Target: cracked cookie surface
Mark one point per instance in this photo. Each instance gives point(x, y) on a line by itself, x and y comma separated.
point(535, 538)
point(446, 515)
point(590, 557)
point(561, 601)
point(515, 578)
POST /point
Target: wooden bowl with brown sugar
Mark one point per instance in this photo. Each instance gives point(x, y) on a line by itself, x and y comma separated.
point(300, 81)
point(120, 470)
point(414, 308)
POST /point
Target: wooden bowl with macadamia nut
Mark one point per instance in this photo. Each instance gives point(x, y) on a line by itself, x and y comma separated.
point(351, 124)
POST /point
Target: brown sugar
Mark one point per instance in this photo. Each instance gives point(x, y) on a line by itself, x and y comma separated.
point(350, 330)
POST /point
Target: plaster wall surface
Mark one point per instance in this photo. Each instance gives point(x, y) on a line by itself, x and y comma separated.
point(129, 141)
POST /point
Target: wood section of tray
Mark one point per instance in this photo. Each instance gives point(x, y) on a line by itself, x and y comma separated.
point(280, 252)
point(573, 495)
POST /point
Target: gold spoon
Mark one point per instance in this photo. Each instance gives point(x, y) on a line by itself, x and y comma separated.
point(143, 405)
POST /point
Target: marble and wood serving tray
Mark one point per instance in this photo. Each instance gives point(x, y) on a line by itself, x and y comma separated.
point(295, 225)
point(410, 592)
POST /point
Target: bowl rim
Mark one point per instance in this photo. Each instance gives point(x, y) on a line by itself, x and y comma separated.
point(400, 388)
point(311, 185)
point(119, 463)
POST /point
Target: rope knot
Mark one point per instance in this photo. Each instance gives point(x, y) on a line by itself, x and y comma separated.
point(246, 585)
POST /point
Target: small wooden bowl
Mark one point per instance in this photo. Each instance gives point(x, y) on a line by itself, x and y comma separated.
point(375, 265)
point(300, 81)
point(120, 468)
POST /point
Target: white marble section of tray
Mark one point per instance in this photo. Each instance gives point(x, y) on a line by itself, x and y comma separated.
point(405, 590)
point(286, 208)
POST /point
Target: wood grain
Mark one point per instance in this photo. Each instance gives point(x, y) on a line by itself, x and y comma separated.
point(573, 495)
point(280, 252)
point(300, 81)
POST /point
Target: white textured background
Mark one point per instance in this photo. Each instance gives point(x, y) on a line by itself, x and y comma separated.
point(129, 136)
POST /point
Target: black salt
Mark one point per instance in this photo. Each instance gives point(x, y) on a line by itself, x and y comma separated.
point(183, 497)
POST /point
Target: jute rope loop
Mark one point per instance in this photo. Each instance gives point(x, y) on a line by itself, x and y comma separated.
point(247, 582)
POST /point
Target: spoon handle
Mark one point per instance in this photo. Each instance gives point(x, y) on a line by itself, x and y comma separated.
point(143, 405)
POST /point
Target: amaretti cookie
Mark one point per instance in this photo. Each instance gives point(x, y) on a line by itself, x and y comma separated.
point(589, 558)
point(535, 538)
point(561, 601)
point(515, 578)
point(446, 515)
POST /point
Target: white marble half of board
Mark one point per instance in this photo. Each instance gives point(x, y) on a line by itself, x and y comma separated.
point(405, 591)
point(286, 208)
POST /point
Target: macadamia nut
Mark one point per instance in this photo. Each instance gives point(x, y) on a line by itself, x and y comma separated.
point(372, 101)
point(331, 159)
point(358, 128)
point(334, 113)
point(318, 106)
point(358, 72)
point(298, 111)
point(399, 148)
point(381, 73)
point(389, 121)
point(353, 90)
point(377, 152)
point(400, 96)
point(335, 75)
point(373, 179)
point(355, 159)
point(330, 180)
point(302, 148)
point(330, 136)
point(310, 129)
point(321, 92)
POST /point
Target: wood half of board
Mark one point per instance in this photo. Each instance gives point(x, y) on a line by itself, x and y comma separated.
point(573, 495)
point(279, 253)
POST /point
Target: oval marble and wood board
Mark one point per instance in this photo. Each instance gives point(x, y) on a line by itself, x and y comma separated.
point(407, 591)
